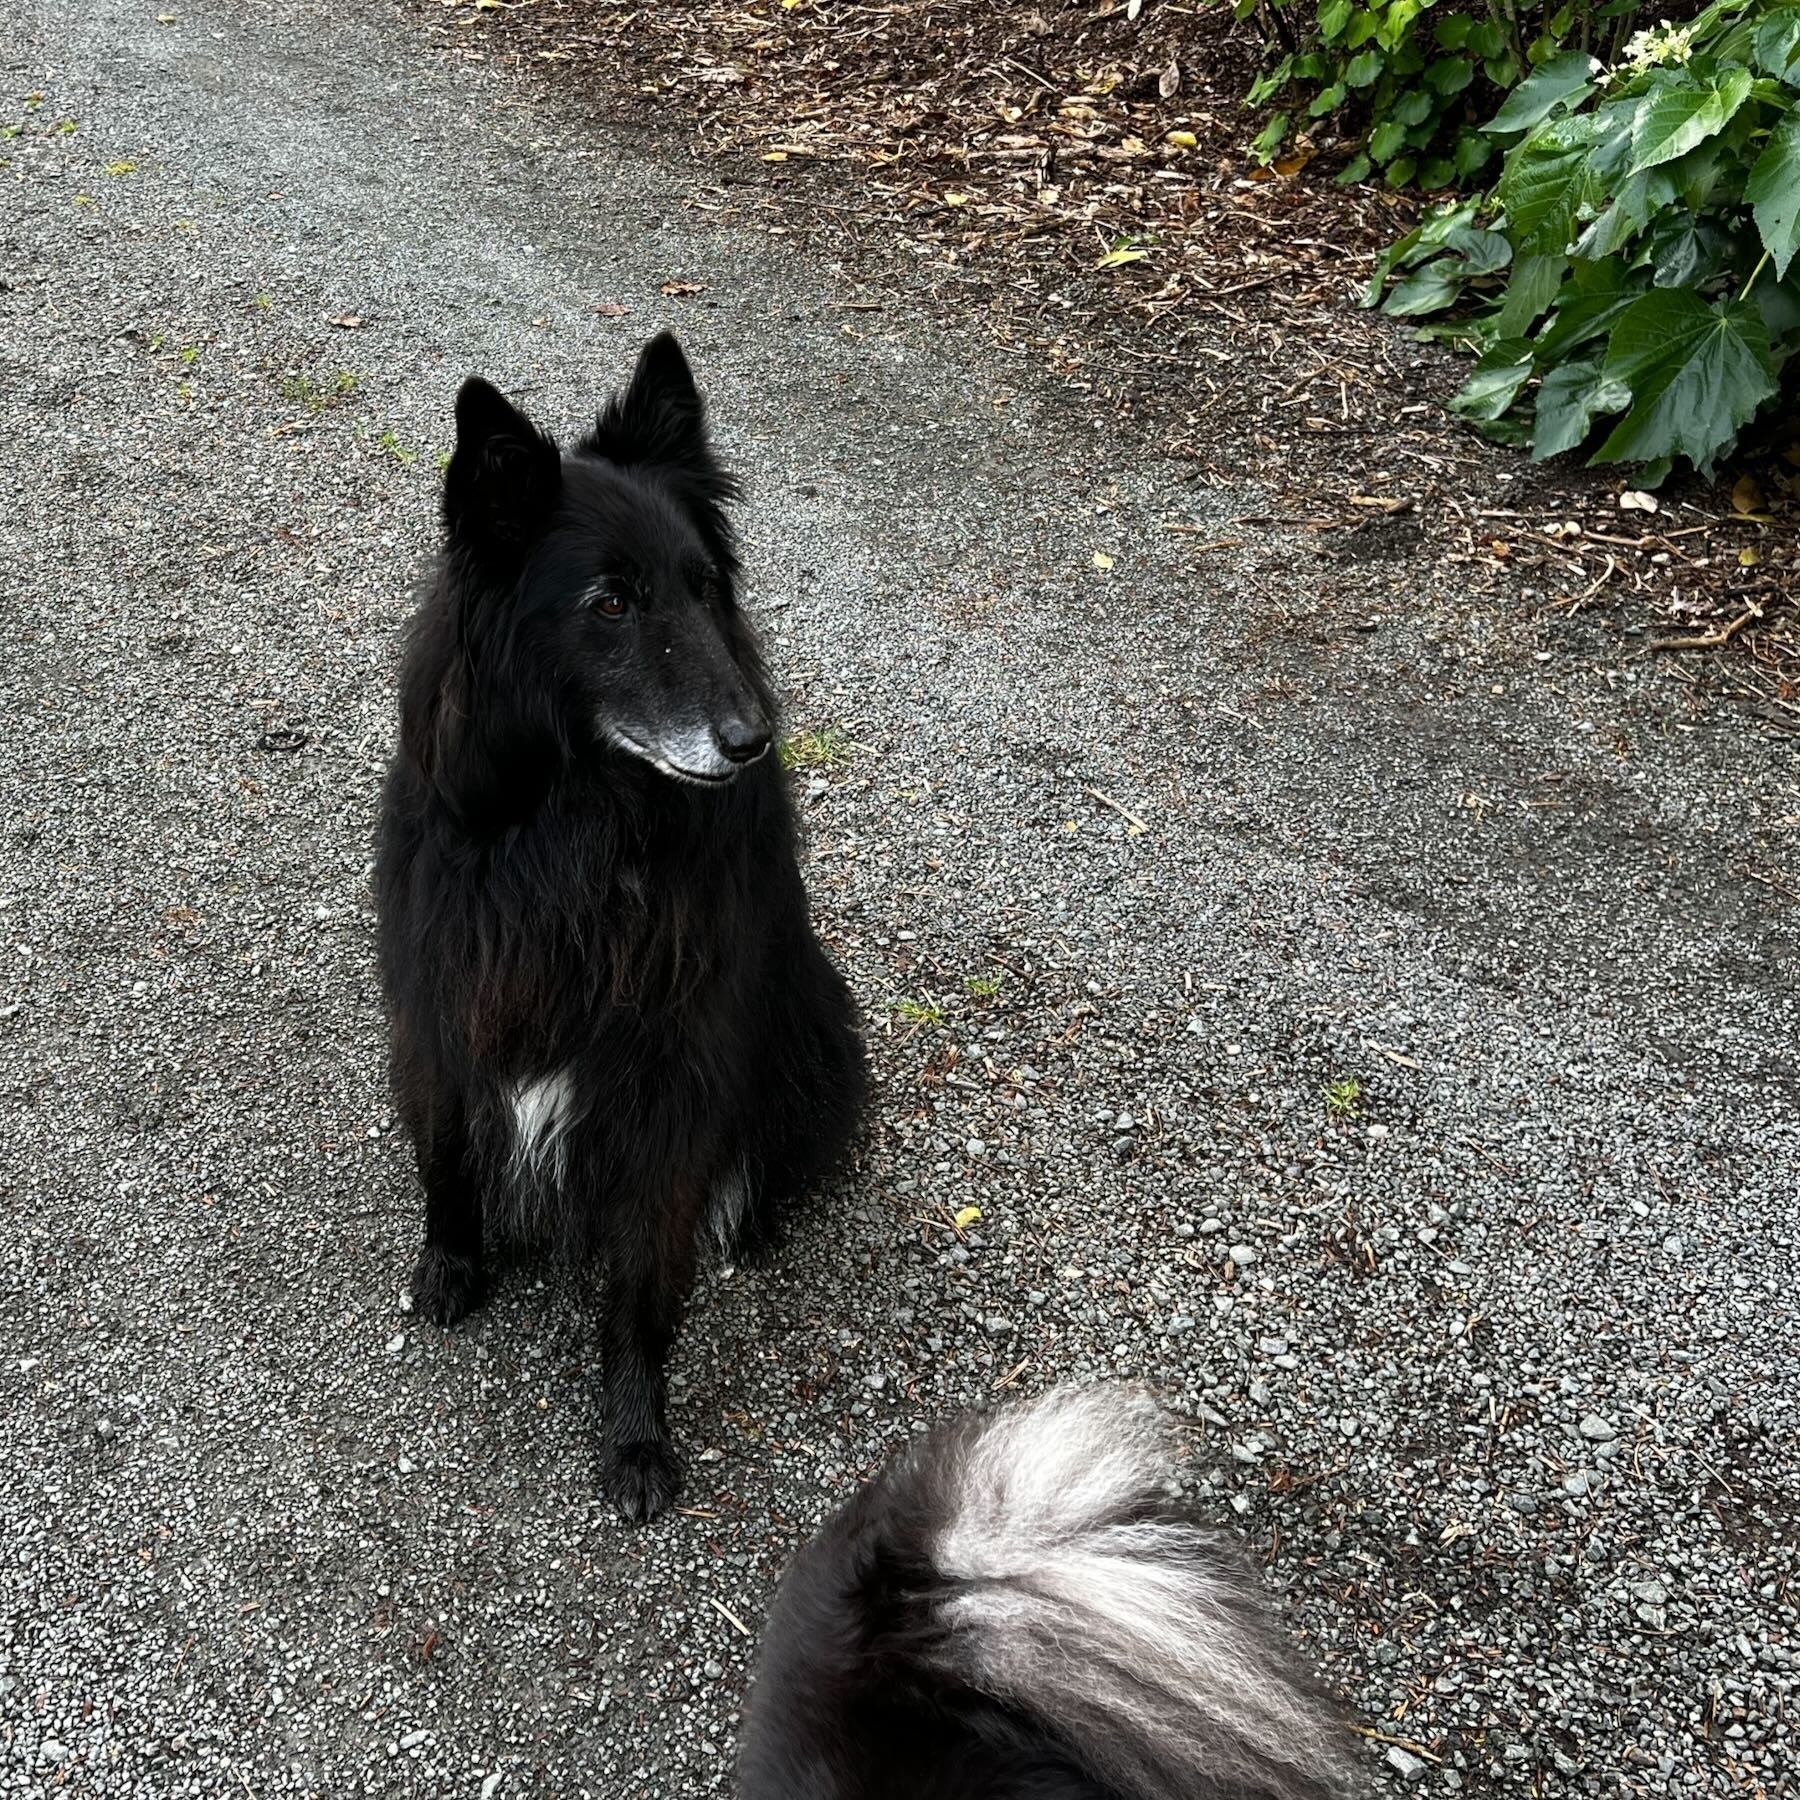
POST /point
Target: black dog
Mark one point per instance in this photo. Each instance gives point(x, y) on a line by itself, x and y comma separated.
point(612, 1026)
point(1015, 1609)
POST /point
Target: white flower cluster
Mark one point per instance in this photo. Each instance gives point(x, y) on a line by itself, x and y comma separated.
point(1653, 49)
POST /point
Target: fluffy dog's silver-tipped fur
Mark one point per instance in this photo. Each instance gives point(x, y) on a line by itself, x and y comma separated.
point(1078, 1592)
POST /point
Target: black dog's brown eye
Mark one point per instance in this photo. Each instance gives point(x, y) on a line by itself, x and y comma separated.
point(610, 603)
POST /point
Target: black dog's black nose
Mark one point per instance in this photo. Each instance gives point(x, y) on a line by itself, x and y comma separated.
point(742, 741)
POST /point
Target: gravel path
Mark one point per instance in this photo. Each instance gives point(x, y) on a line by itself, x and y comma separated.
point(1492, 1351)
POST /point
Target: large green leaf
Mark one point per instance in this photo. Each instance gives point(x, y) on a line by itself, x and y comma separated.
point(1778, 44)
point(1427, 290)
point(1543, 185)
point(1569, 399)
point(1504, 368)
point(1677, 115)
point(1697, 177)
point(1394, 21)
point(1685, 251)
point(1485, 251)
point(1413, 108)
point(1534, 284)
point(1506, 430)
point(1449, 75)
point(1268, 140)
point(1628, 214)
point(1773, 191)
point(1697, 374)
point(1473, 152)
point(1392, 258)
point(1387, 140)
point(1438, 284)
point(1486, 39)
point(1589, 305)
point(1446, 223)
point(1566, 79)
point(1614, 126)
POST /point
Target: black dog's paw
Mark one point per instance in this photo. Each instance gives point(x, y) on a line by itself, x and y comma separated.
point(753, 1244)
point(444, 1287)
point(640, 1479)
point(748, 1226)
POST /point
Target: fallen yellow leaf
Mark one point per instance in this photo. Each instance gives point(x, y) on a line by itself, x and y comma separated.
point(1749, 557)
point(774, 156)
point(968, 1216)
point(1113, 258)
point(957, 199)
point(1746, 497)
point(1182, 140)
point(1102, 560)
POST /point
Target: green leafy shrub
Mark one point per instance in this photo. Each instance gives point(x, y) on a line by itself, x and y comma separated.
point(1634, 270)
point(1414, 74)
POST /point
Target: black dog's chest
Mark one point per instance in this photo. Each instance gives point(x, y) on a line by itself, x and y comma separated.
point(602, 962)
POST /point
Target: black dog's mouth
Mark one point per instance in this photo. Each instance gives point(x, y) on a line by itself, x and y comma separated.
point(693, 777)
point(721, 775)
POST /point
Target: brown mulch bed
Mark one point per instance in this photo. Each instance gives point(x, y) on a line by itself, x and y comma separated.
point(1073, 173)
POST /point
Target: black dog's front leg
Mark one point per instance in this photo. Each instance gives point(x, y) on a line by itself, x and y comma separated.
point(448, 1279)
point(649, 1269)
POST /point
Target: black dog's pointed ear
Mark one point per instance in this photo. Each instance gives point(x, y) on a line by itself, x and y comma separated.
point(503, 479)
point(663, 384)
point(660, 417)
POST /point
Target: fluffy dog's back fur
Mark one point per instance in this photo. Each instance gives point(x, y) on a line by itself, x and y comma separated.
point(1016, 1609)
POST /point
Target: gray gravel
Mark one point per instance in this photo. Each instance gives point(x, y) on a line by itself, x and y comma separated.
point(1496, 1362)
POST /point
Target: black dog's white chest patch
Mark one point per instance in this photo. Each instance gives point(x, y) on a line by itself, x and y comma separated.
point(542, 1112)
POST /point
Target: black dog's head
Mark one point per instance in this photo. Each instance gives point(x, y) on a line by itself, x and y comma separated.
point(606, 578)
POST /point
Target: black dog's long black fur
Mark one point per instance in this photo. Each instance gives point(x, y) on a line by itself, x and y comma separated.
point(1015, 1609)
point(612, 1026)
